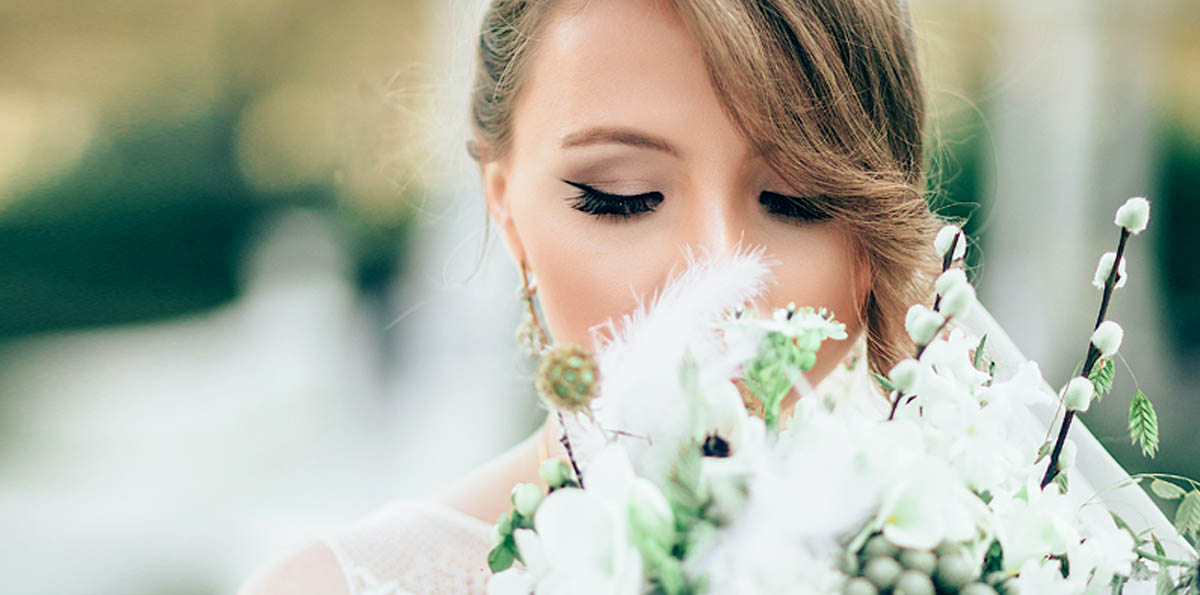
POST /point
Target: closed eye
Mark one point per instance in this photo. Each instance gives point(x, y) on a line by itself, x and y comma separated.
point(616, 207)
point(793, 208)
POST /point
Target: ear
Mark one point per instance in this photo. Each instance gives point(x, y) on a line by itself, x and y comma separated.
point(496, 175)
point(863, 284)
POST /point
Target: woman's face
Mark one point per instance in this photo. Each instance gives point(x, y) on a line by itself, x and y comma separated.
point(618, 102)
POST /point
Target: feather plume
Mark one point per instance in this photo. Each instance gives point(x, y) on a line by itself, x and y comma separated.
point(640, 356)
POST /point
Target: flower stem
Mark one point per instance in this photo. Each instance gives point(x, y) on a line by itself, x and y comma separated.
point(1162, 559)
point(1093, 355)
point(566, 442)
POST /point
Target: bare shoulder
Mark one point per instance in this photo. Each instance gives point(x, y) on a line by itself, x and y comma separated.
point(309, 570)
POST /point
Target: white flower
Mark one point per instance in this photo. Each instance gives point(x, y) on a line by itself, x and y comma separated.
point(958, 300)
point(904, 375)
point(1034, 524)
point(945, 237)
point(922, 323)
point(949, 279)
point(1106, 552)
point(1044, 577)
point(1104, 267)
point(927, 506)
point(1107, 338)
point(582, 540)
point(1026, 387)
point(1134, 214)
point(1078, 393)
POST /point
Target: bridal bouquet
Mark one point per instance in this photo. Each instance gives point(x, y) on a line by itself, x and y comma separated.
point(943, 482)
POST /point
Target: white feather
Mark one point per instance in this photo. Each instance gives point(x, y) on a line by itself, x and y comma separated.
point(640, 356)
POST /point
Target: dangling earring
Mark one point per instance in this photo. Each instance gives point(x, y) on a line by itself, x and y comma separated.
point(530, 334)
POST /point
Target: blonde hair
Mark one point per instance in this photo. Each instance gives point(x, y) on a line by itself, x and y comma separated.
point(829, 93)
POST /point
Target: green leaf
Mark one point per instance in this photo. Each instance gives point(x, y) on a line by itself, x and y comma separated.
point(884, 382)
point(1164, 585)
point(1158, 546)
point(1187, 517)
point(1102, 377)
point(979, 351)
point(500, 558)
point(1143, 424)
point(1044, 450)
point(1166, 490)
point(1060, 480)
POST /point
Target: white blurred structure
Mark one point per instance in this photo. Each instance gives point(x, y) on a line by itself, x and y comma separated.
point(175, 457)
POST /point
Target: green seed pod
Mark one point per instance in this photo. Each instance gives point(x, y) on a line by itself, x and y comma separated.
point(912, 582)
point(883, 571)
point(554, 472)
point(525, 498)
point(919, 560)
point(859, 586)
point(567, 378)
point(849, 565)
point(879, 546)
point(977, 589)
point(504, 525)
point(955, 569)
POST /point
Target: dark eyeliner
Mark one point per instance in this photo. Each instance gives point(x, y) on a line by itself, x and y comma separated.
point(605, 205)
point(800, 210)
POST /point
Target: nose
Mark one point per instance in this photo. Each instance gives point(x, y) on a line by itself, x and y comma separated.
point(715, 226)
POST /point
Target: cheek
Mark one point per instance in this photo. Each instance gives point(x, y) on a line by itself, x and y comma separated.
point(818, 268)
point(587, 272)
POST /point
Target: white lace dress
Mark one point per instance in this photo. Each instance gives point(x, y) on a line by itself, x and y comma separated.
point(413, 546)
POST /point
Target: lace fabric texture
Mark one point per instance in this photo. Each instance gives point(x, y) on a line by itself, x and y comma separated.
point(413, 546)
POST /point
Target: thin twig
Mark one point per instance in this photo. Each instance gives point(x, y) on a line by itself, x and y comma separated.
point(566, 442)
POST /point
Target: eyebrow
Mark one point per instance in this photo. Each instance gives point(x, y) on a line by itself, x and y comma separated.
point(602, 135)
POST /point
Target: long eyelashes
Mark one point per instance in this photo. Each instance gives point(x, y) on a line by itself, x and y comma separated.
point(792, 207)
point(613, 206)
point(604, 205)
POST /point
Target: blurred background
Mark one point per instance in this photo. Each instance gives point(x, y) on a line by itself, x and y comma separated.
point(247, 292)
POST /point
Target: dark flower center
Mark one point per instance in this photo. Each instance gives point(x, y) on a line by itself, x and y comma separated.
point(715, 446)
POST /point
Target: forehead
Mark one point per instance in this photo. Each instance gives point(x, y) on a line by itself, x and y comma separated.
point(624, 63)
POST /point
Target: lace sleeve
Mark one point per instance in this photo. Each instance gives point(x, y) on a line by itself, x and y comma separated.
point(413, 547)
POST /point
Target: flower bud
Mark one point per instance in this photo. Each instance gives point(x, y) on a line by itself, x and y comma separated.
point(1134, 214)
point(525, 498)
point(503, 527)
point(957, 302)
point(1066, 458)
point(1078, 394)
point(945, 237)
point(904, 375)
point(1104, 267)
point(859, 586)
point(947, 280)
point(922, 324)
point(1107, 338)
point(554, 472)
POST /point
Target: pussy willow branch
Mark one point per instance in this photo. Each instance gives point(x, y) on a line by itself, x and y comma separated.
point(1093, 355)
point(947, 260)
